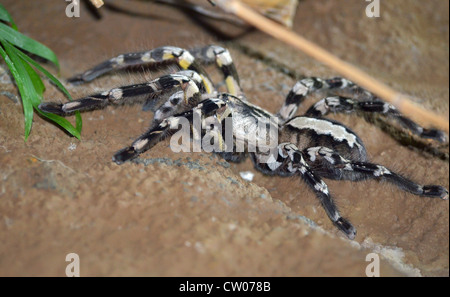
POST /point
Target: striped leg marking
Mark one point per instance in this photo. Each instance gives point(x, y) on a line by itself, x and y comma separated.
point(336, 167)
point(188, 81)
point(337, 104)
point(222, 58)
point(305, 87)
point(167, 127)
point(298, 164)
point(156, 56)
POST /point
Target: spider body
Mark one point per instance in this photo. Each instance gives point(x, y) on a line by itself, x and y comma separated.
point(307, 146)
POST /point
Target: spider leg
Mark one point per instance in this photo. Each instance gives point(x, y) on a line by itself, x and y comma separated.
point(182, 57)
point(167, 127)
point(292, 161)
point(305, 87)
point(188, 81)
point(178, 102)
point(338, 104)
point(222, 58)
point(327, 163)
point(233, 157)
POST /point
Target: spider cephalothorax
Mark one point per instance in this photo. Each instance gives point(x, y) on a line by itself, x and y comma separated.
point(308, 146)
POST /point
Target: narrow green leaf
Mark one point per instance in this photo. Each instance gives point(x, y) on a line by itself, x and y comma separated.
point(46, 73)
point(24, 42)
point(35, 79)
point(79, 122)
point(26, 88)
point(61, 122)
point(5, 16)
point(29, 87)
point(39, 87)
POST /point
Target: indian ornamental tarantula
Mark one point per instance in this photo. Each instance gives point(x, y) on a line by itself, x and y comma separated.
point(308, 146)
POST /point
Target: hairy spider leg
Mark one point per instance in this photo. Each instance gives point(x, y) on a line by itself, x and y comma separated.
point(291, 161)
point(339, 104)
point(329, 164)
point(179, 102)
point(221, 56)
point(182, 57)
point(167, 127)
point(188, 81)
point(336, 104)
point(305, 87)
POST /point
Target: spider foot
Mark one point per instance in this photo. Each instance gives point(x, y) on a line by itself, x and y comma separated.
point(124, 155)
point(346, 227)
point(76, 80)
point(435, 192)
point(52, 107)
point(434, 134)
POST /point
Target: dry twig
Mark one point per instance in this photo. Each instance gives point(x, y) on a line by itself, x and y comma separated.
point(97, 3)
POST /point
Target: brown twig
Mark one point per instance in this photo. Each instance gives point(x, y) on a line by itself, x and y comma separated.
point(97, 3)
point(203, 11)
point(349, 71)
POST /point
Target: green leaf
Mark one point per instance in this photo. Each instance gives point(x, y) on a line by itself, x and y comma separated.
point(26, 43)
point(40, 88)
point(79, 122)
point(46, 73)
point(24, 83)
point(5, 16)
point(35, 79)
point(31, 88)
point(61, 122)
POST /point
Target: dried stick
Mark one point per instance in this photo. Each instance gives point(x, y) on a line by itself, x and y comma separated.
point(97, 3)
point(203, 11)
point(349, 71)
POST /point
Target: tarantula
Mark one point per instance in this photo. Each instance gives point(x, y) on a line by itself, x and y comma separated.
point(308, 146)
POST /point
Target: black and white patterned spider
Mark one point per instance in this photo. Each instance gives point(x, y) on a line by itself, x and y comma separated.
point(309, 146)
